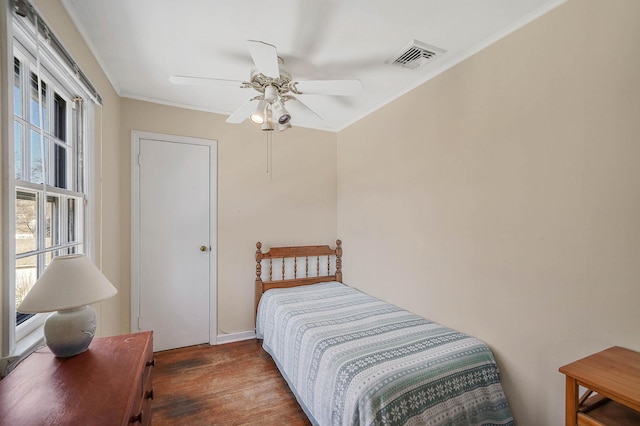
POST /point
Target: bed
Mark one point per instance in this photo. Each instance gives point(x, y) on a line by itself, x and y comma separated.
point(352, 359)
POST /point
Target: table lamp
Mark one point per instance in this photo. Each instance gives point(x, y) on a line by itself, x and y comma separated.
point(68, 285)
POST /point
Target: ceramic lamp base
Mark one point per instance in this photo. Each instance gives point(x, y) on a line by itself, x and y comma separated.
point(70, 331)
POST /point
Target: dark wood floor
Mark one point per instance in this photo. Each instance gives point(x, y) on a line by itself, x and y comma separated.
point(233, 384)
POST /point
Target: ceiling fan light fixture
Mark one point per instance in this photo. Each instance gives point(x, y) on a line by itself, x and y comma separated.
point(284, 126)
point(280, 113)
point(267, 125)
point(258, 115)
point(275, 87)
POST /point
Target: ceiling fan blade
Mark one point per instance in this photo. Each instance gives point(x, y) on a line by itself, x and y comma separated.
point(298, 109)
point(329, 87)
point(265, 57)
point(204, 81)
point(242, 113)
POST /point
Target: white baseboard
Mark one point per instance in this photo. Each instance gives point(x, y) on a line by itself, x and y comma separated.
point(235, 337)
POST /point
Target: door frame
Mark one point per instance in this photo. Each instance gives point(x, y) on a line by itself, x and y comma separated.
point(136, 136)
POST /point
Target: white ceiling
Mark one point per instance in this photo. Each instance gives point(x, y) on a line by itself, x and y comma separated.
point(140, 43)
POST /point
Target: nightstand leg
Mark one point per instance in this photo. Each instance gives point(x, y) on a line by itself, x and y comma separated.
point(571, 412)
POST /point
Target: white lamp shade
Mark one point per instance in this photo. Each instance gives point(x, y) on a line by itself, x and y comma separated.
point(68, 282)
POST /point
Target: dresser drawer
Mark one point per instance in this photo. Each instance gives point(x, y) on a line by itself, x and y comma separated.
point(141, 412)
point(147, 386)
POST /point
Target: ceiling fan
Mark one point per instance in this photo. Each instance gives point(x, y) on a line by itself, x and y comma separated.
point(275, 87)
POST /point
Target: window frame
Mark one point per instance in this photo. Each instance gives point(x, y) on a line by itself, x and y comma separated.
point(19, 340)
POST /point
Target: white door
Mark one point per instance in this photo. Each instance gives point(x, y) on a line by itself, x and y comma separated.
point(175, 250)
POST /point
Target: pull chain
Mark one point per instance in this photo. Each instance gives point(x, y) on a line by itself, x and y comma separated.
point(270, 154)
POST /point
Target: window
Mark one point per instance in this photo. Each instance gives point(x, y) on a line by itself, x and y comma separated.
point(47, 221)
point(47, 198)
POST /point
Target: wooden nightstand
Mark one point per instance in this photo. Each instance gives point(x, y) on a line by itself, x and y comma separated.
point(109, 384)
point(614, 374)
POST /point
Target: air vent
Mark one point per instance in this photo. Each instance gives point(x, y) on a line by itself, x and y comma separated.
point(415, 55)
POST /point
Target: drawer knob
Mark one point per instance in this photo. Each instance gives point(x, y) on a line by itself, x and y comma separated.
point(151, 363)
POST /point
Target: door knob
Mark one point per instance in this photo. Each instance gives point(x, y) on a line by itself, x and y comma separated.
point(203, 248)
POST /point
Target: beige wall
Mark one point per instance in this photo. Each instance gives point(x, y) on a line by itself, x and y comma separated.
point(504, 198)
point(297, 205)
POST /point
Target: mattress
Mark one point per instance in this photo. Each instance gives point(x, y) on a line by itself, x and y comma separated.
point(352, 359)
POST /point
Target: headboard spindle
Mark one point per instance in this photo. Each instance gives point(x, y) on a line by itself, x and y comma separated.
point(282, 253)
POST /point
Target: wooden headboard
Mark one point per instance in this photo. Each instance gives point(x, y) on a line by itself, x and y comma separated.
point(300, 276)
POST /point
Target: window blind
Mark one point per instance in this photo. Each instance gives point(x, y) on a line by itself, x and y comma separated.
point(25, 10)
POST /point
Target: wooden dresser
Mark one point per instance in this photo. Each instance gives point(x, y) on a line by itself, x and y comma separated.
point(614, 376)
point(109, 384)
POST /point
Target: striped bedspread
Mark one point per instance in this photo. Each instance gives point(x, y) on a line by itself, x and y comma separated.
point(351, 359)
